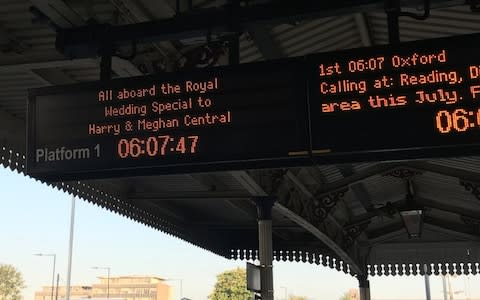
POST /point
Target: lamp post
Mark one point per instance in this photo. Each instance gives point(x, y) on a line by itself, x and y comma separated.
point(70, 249)
point(108, 278)
point(54, 260)
point(427, 283)
point(286, 294)
point(181, 284)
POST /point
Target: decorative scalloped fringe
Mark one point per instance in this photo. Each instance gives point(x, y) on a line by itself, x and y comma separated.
point(462, 268)
point(297, 256)
point(452, 268)
point(15, 161)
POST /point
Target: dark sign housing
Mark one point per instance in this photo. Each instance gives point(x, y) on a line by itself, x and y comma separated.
point(243, 117)
point(418, 99)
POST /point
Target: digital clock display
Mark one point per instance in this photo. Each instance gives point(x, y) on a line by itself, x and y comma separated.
point(249, 116)
point(416, 99)
point(154, 146)
point(459, 120)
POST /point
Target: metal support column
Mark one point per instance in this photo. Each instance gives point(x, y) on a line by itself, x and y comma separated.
point(106, 52)
point(106, 68)
point(234, 40)
point(364, 286)
point(444, 284)
point(392, 8)
point(264, 211)
point(427, 283)
point(70, 249)
point(234, 50)
point(56, 288)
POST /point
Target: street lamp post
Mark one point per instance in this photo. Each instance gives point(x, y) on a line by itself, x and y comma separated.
point(108, 278)
point(181, 284)
point(286, 294)
point(53, 276)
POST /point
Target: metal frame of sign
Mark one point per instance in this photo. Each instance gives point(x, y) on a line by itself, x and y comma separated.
point(411, 127)
point(246, 86)
point(408, 101)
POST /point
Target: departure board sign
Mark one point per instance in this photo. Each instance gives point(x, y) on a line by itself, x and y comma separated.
point(247, 116)
point(418, 99)
point(413, 100)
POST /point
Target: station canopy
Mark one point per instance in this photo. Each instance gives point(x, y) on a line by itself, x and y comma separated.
point(364, 217)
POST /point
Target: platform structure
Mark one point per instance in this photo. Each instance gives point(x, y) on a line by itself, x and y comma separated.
point(361, 218)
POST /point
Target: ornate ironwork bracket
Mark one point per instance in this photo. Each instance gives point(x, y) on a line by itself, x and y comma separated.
point(321, 207)
point(351, 232)
point(316, 211)
point(271, 180)
point(474, 188)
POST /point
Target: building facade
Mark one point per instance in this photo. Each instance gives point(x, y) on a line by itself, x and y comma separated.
point(76, 292)
point(121, 287)
point(133, 288)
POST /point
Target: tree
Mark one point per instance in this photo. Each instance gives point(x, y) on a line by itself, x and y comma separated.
point(11, 283)
point(351, 294)
point(231, 285)
point(346, 296)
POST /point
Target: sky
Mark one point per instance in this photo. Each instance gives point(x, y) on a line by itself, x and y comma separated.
point(35, 218)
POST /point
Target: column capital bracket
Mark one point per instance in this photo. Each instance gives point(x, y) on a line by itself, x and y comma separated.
point(264, 207)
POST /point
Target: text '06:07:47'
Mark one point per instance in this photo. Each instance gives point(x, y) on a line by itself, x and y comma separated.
point(157, 145)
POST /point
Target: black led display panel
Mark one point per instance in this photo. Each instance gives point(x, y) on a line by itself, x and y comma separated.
point(417, 99)
point(249, 116)
point(393, 102)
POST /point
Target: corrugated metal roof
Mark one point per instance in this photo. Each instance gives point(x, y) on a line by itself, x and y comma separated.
point(249, 51)
point(331, 173)
point(471, 164)
point(295, 39)
point(83, 73)
point(172, 183)
point(16, 20)
point(228, 181)
point(353, 205)
point(385, 188)
point(208, 3)
point(359, 167)
point(13, 93)
point(319, 35)
point(442, 22)
point(444, 189)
